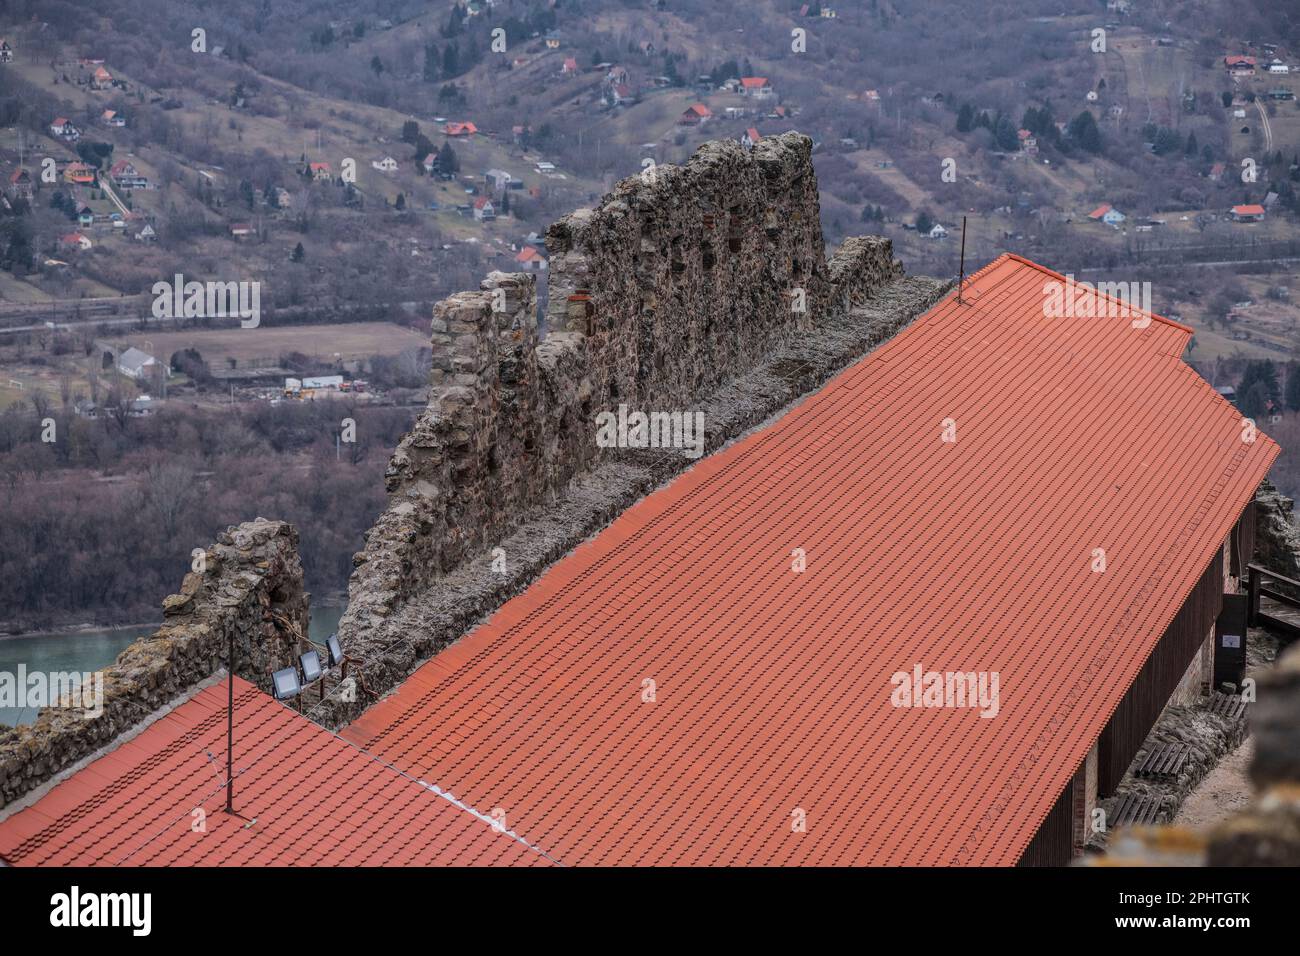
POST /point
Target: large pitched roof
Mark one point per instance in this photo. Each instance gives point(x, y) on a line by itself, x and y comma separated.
point(772, 689)
point(315, 800)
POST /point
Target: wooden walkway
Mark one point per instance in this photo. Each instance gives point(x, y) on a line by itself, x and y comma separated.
point(1272, 608)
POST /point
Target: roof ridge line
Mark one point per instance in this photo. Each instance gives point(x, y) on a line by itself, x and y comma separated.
point(1052, 272)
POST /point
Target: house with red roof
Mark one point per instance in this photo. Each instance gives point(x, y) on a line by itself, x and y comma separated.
point(6, 51)
point(21, 184)
point(484, 211)
point(75, 240)
point(694, 115)
point(1248, 213)
point(79, 174)
point(320, 171)
point(64, 129)
point(756, 86)
point(1239, 65)
point(530, 260)
point(570, 66)
point(101, 79)
point(750, 137)
point(1108, 214)
point(460, 129)
point(124, 174)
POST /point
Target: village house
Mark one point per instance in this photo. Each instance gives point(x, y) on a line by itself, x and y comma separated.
point(1028, 142)
point(79, 174)
point(1277, 66)
point(112, 118)
point(1108, 214)
point(1247, 213)
point(1280, 93)
point(281, 197)
point(85, 216)
point(136, 364)
point(1217, 171)
point(240, 229)
point(63, 128)
point(460, 129)
point(75, 240)
point(694, 115)
point(321, 172)
point(552, 40)
point(484, 211)
point(1240, 65)
point(499, 179)
point(530, 260)
point(750, 138)
point(6, 51)
point(101, 79)
point(146, 234)
point(385, 165)
point(569, 67)
point(938, 232)
point(618, 94)
point(124, 174)
point(756, 86)
point(21, 184)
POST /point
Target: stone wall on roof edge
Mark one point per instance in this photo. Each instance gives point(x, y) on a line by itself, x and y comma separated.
point(250, 589)
point(669, 288)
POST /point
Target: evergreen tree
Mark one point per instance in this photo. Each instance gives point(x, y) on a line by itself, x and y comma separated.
point(965, 118)
point(299, 253)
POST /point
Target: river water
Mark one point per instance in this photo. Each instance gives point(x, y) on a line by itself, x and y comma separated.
point(85, 651)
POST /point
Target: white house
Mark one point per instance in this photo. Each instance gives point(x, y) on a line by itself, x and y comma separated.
point(63, 127)
point(134, 363)
point(1277, 66)
point(938, 232)
point(385, 165)
point(530, 260)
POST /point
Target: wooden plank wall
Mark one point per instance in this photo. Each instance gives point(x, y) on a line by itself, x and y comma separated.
point(1146, 698)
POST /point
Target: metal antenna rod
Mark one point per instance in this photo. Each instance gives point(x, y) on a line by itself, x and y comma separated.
point(230, 725)
point(961, 275)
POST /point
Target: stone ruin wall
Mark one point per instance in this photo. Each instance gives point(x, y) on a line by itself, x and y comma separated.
point(667, 290)
point(250, 589)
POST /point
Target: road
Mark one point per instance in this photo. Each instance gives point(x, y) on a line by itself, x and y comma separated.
point(1268, 129)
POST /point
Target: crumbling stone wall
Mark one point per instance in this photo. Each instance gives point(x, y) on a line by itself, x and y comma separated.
point(1277, 540)
point(673, 285)
point(250, 588)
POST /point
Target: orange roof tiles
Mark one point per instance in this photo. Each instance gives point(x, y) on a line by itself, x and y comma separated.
point(316, 800)
point(771, 693)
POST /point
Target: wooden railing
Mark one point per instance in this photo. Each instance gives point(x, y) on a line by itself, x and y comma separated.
point(1259, 583)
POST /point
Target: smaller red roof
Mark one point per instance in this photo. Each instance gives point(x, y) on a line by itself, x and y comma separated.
point(753, 134)
point(753, 82)
point(1248, 210)
point(700, 110)
point(72, 239)
point(529, 254)
point(482, 202)
point(460, 129)
point(18, 175)
point(570, 65)
point(1239, 60)
point(1099, 211)
point(319, 166)
point(61, 121)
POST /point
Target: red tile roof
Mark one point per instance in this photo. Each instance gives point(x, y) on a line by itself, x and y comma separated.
point(1250, 210)
point(772, 689)
point(753, 82)
point(1099, 211)
point(316, 801)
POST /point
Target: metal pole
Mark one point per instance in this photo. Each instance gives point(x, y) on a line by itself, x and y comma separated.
point(961, 275)
point(230, 725)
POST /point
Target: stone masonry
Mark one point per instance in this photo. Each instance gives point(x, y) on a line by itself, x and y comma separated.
point(250, 588)
point(699, 288)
